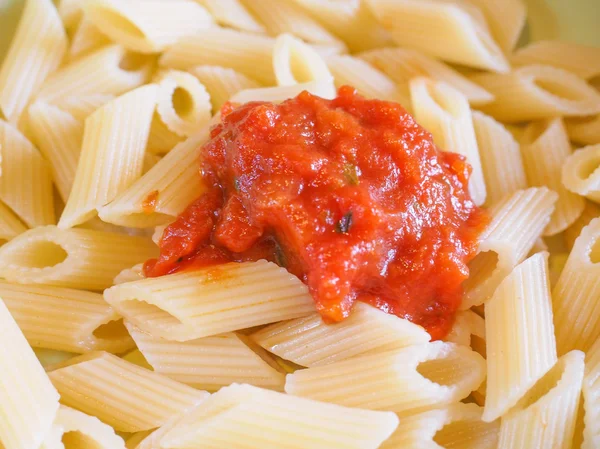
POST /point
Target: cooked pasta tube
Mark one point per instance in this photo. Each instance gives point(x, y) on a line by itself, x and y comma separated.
point(112, 153)
point(121, 394)
point(506, 20)
point(591, 211)
point(232, 13)
point(185, 306)
point(49, 357)
point(82, 106)
point(147, 26)
point(309, 341)
point(518, 354)
point(36, 50)
point(209, 363)
point(10, 225)
point(406, 381)
point(76, 258)
point(516, 223)
point(134, 273)
point(323, 88)
point(65, 319)
point(580, 172)
point(86, 39)
point(545, 417)
point(445, 112)
point(29, 401)
point(591, 397)
point(457, 425)
point(70, 13)
point(467, 324)
point(545, 149)
point(584, 130)
point(264, 418)
point(536, 92)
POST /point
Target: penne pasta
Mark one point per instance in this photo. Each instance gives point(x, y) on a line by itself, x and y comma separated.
point(112, 153)
point(186, 306)
point(76, 258)
point(41, 37)
point(29, 401)
point(309, 341)
point(445, 112)
point(584, 130)
point(506, 20)
point(232, 13)
point(519, 354)
point(134, 273)
point(591, 397)
point(545, 416)
point(147, 26)
point(537, 92)
point(467, 324)
point(64, 319)
point(10, 225)
point(210, 363)
point(49, 357)
point(70, 12)
point(323, 88)
point(545, 149)
point(580, 172)
point(591, 211)
point(82, 106)
point(406, 381)
point(86, 39)
point(121, 394)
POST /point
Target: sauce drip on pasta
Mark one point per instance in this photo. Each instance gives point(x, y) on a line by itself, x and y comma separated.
point(351, 195)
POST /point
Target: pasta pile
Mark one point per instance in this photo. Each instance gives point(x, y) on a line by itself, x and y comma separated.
point(104, 105)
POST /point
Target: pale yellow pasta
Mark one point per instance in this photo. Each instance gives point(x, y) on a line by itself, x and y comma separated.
point(10, 225)
point(467, 324)
point(520, 342)
point(109, 70)
point(406, 381)
point(73, 429)
point(80, 106)
point(49, 357)
point(501, 160)
point(264, 418)
point(456, 426)
point(577, 293)
point(29, 401)
point(161, 139)
point(210, 301)
point(209, 363)
point(232, 13)
point(25, 181)
point(70, 12)
point(121, 394)
point(536, 92)
point(76, 258)
point(402, 64)
point(134, 442)
point(36, 50)
point(591, 211)
point(584, 130)
point(247, 53)
point(86, 39)
point(516, 223)
point(112, 153)
point(323, 88)
point(309, 341)
point(221, 83)
point(65, 319)
point(131, 274)
point(591, 397)
point(545, 417)
point(446, 114)
point(459, 36)
point(506, 19)
point(147, 26)
point(545, 149)
point(58, 135)
point(580, 172)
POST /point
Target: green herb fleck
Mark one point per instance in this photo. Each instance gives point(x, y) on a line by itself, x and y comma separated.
point(351, 174)
point(343, 226)
point(236, 184)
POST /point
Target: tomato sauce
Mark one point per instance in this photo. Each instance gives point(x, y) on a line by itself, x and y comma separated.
point(351, 195)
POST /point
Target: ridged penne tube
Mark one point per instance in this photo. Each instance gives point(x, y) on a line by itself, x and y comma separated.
point(584, 130)
point(73, 429)
point(161, 139)
point(185, 306)
point(582, 60)
point(64, 319)
point(322, 88)
point(545, 417)
point(520, 340)
point(545, 149)
point(147, 26)
point(81, 107)
point(591, 397)
point(10, 225)
point(134, 441)
point(247, 53)
point(501, 160)
point(445, 112)
point(467, 324)
point(221, 83)
point(295, 62)
point(131, 274)
point(402, 64)
point(577, 293)
point(49, 357)
point(506, 20)
point(36, 50)
point(460, 37)
point(309, 341)
point(121, 394)
point(70, 12)
point(29, 401)
point(455, 426)
point(209, 363)
point(581, 174)
point(516, 223)
point(406, 381)
point(537, 92)
point(232, 13)
point(173, 183)
point(263, 418)
point(58, 135)
point(112, 153)
point(110, 70)
point(76, 258)
point(25, 182)
point(591, 211)
point(86, 39)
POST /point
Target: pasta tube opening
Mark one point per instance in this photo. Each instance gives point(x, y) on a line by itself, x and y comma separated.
point(138, 306)
point(581, 172)
point(113, 330)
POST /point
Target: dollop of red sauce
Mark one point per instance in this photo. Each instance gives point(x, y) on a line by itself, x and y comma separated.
point(351, 195)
